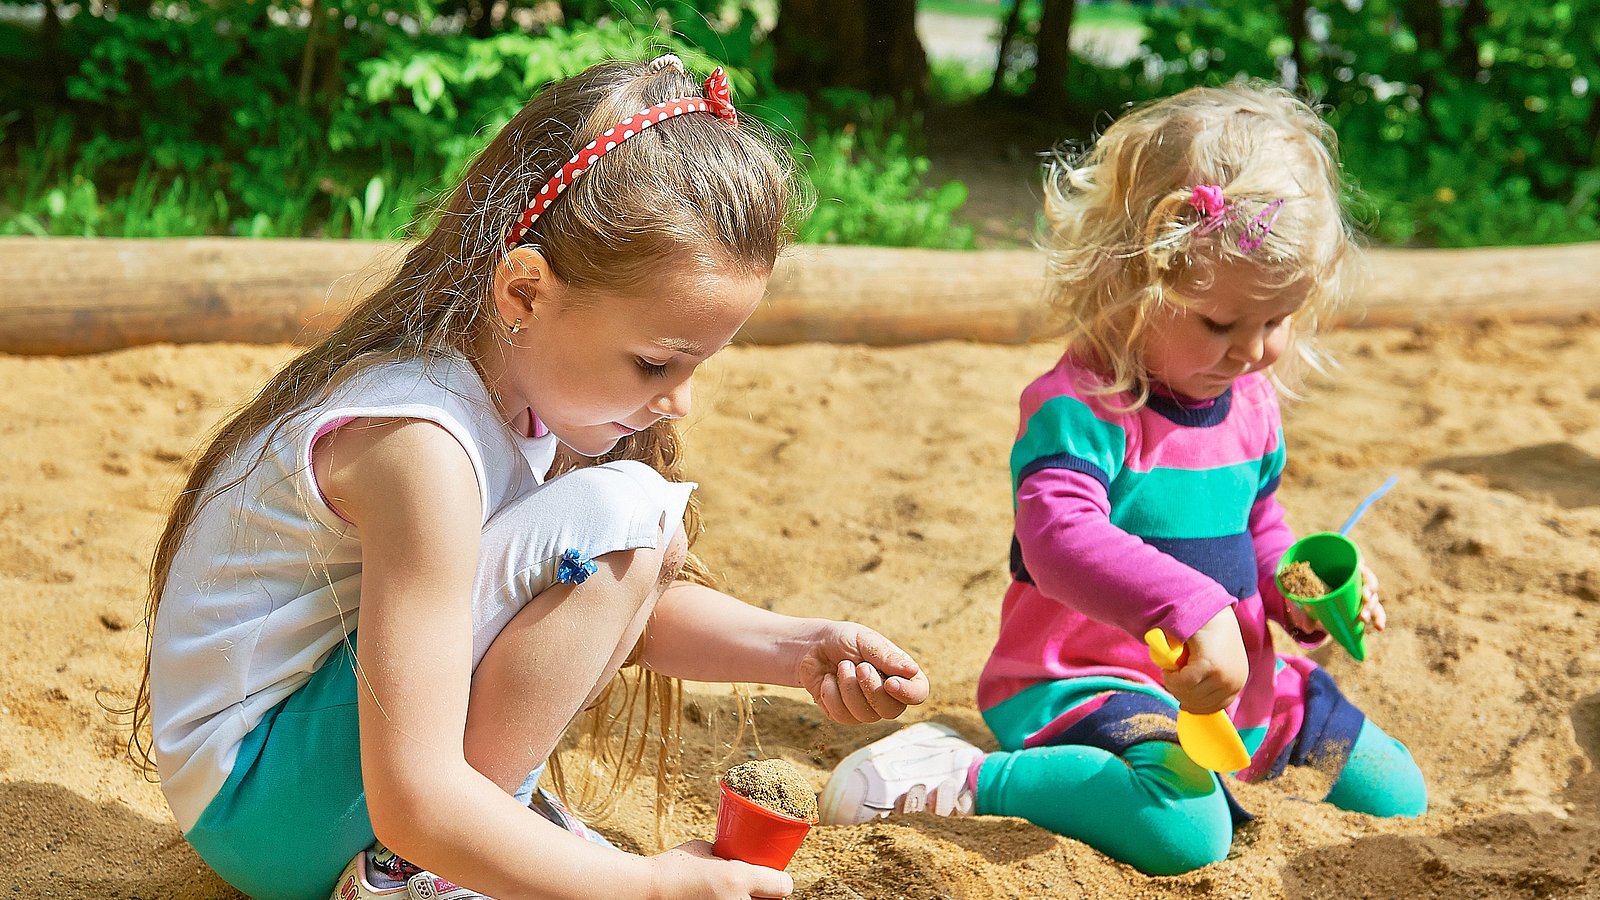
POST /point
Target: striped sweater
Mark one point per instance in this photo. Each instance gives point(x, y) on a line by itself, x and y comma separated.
point(1127, 522)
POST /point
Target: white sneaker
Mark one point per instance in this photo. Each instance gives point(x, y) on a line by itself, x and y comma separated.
point(922, 768)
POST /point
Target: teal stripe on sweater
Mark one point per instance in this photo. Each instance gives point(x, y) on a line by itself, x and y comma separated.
point(1272, 463)
point(1066, 425)
point(1186, 503)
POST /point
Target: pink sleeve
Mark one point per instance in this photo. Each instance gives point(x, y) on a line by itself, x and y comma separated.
point(1271, 536)
point(1075, 555)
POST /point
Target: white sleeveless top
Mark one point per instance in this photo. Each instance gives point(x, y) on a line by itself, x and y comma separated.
point(266, 582)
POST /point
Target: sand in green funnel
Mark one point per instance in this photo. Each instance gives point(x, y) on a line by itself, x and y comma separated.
point(1301, 581)
point(775, 784)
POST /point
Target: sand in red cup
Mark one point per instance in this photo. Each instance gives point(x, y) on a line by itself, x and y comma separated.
point(752, 833)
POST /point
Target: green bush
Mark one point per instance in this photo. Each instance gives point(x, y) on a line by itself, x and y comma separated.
point(868, 182)
point(1461, 130)
point(215, 119)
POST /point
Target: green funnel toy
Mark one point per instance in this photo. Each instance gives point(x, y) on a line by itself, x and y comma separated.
point(1337, 561)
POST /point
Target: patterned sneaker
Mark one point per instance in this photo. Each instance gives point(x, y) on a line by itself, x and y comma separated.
point(922, 768)
point(428, 886)
point(377, 873)
point(354, 883)
point(545, 804)
point(386, 868)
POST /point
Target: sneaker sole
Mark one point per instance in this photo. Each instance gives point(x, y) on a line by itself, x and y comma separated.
point(832, 793)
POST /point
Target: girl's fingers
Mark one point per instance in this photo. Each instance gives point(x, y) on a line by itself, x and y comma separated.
point(1368, 578)
point(770, 883)
point(1372, 612)
point(850, 690)
point(1205, 694)
point(828, 698)
point(884, 705)
point(884, 656)
point(909, 691)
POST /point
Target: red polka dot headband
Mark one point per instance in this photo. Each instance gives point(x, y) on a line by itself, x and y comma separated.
point(716, 101)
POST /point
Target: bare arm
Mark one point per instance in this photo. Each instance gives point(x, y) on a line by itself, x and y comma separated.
point(411, 490)
point(855, 674)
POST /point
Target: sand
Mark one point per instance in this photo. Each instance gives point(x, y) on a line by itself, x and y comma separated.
point(775, 784)
point(871, 484)
point(1299, 579)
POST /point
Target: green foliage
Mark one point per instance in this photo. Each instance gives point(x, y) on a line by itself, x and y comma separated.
point(1461, 131)
point(868, 184)
point(955, 81)
point(249, 118)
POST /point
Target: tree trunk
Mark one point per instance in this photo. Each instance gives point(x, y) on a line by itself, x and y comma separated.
point(1592, 128)
point(51, 59)
point(1426, 20)
point(331, 84)
point(1008, 33)
point(1296, 20)
point(1464, 55)
point(229, 289)
point(308, 62)
point(481, 13)
point(844, 43)
point(1048, 94)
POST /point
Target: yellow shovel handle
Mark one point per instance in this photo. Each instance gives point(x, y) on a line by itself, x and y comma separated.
point(1210, 740)
point(1163, 653)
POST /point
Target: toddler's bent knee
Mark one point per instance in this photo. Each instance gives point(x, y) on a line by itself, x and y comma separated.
point(1179, 836)
point(1380, 778)
point(1179, 857)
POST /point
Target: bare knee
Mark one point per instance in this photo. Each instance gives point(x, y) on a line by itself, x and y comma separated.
point(642, 575)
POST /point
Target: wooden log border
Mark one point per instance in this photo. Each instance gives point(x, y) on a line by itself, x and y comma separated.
point(70, 296)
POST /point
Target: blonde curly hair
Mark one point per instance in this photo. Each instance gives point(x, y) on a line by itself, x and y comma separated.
point(1123, 235)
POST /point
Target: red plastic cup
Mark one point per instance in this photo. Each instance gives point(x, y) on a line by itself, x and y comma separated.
point(749, 832)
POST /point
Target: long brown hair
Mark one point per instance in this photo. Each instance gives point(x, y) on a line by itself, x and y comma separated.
point(693, 189)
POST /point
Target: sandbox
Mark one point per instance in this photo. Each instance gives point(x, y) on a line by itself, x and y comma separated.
point(870, 483)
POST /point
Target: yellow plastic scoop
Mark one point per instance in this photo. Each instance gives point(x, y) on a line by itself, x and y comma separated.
point(1210, 740)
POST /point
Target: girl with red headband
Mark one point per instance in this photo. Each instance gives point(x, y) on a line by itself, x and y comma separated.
point(429, 544)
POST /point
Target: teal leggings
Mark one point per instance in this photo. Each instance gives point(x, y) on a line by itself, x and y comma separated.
point(1154, 809)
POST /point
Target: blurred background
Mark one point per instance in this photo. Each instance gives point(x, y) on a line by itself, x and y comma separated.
point(917, 122)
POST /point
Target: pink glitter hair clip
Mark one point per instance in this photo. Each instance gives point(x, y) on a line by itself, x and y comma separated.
point(1257, 229)
point(1216, 211)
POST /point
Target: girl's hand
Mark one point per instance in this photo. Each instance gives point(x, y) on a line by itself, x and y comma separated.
point(858, 676)
point(1371, 608)
point(1300, 617)
point(689, 871)
point(1216, 669)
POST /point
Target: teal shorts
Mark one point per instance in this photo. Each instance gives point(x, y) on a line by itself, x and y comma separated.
point(293, 811)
